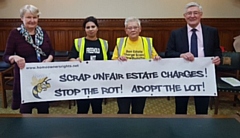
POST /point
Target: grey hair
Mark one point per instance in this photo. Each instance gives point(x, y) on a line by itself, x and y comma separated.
point(132, 19)
point(29, 8)
point(193, 4)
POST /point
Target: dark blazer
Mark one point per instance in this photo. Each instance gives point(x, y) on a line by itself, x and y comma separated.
point(178, 42)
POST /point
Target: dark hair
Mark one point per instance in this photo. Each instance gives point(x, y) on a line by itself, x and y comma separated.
point(90, 19)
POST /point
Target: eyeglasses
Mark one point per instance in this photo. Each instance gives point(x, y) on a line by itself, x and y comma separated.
point(132, 27)
point(88, 27)
point(195, 13)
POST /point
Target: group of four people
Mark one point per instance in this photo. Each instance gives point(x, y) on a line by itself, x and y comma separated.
point(30, 43)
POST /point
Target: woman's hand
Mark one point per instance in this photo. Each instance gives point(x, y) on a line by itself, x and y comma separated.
point(49, 59)
point(122, 58)
point(156, 58)
point(75, 59)
point(18, 60)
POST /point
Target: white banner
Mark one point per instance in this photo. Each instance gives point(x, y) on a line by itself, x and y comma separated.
point(107, 79)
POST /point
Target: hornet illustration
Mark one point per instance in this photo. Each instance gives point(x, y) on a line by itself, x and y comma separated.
point(39, 86)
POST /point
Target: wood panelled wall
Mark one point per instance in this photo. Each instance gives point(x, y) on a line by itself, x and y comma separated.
point(63, 31)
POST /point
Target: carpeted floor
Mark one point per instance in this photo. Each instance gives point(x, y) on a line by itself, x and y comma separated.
point(158, 106)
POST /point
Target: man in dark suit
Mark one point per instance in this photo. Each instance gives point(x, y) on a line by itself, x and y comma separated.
point(194, 40)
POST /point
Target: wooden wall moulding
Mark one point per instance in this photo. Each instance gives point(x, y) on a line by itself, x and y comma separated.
point(63, 31)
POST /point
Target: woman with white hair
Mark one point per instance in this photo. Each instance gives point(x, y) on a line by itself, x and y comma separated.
point(27, 43)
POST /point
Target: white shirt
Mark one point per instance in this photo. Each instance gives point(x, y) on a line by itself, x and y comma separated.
point(199, 39)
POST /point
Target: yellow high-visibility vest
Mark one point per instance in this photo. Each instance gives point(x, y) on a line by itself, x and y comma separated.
point(147, 46)
point(80, 45)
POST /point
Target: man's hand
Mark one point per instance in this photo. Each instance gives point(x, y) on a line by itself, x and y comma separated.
point(187, 56)
point(216, 60)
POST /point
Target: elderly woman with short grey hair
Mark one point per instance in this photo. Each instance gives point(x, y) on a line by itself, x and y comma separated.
point(25, 44)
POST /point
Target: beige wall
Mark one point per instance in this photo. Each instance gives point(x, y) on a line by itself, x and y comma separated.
point(120, 8)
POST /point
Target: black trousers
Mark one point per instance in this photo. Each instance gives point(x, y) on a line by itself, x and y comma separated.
point(201, 104)
point(84, 104)
point(42, 107)
point(138, 104)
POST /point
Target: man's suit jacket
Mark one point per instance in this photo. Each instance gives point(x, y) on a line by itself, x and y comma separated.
point(178, 42)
